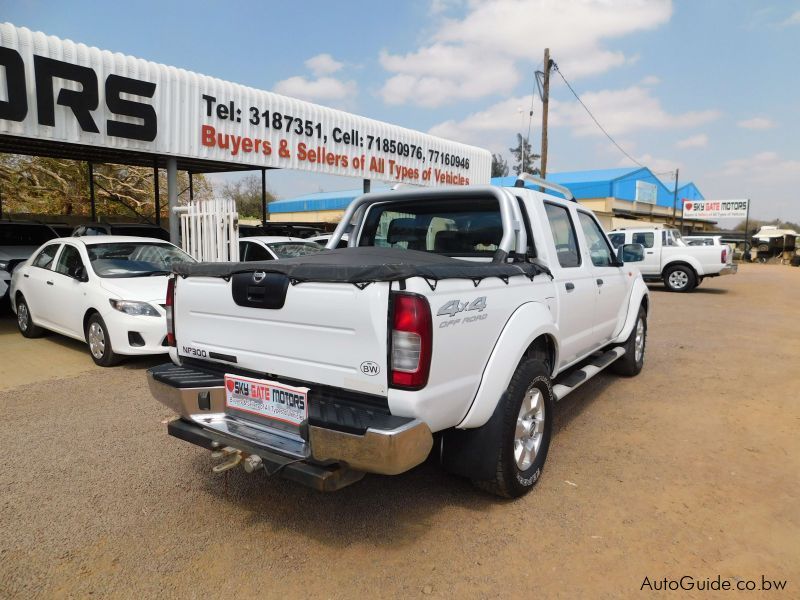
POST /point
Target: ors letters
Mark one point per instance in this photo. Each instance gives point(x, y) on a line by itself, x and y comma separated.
point(81, 102)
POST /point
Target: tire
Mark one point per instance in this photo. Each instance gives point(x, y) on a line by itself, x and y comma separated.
point(680, 279)
point(25, 322)
point(631, 363)
point(525, 432)
point(100, 343)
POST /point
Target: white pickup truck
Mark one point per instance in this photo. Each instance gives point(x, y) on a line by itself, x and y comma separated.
point(667, 258)
point(456, 318)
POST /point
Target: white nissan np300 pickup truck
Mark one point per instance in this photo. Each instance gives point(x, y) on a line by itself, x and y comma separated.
point(454, 320)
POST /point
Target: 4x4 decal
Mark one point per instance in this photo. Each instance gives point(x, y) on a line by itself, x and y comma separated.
point(454, 307)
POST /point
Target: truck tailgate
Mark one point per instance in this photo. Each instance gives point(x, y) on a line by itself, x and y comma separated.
point(328, 333)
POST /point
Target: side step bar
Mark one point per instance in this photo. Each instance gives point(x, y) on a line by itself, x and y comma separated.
point(576, 378)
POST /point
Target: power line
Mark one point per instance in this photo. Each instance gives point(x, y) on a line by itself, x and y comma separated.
point(578, 98)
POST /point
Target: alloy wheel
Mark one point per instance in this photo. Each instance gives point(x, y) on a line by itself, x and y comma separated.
point(530, 428)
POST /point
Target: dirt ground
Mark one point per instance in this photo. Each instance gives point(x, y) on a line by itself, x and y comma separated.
point(692, 468)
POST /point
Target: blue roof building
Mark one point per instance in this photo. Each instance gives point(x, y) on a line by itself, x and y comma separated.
point(618, 197)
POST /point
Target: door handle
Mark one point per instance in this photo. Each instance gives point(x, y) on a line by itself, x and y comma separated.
point(650, 252)
point(49, 283)
point(25, 275)
point(599, 282)
point(570, 286)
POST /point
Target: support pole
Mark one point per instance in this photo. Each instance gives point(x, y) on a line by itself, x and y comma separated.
point(156, 193)
point(1, 205)
point(545, 104)
point(191, 186)
point(91, 192)
point(675, 197)
point(366, 186)
point(263, 197)
point(746, 252)
point(172, 195)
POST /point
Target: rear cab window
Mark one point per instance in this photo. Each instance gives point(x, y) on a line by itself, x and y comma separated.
point(472, 229)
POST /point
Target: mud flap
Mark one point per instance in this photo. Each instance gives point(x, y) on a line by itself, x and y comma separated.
point(474, 453)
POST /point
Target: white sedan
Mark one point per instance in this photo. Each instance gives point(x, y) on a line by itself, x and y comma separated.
point(108, 291)
point(273, 247)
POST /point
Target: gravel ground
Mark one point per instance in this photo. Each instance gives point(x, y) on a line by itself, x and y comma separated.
point(689, 469)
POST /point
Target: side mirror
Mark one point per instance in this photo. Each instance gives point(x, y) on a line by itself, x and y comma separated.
point(629, 253)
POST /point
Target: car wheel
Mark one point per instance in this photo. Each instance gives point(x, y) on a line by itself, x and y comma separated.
point(526, 429)
point(680, 279)
point(631, 363)
point(100, 342)
point(25, 322)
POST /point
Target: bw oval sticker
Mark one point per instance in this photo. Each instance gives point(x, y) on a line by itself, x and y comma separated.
point(370, 368)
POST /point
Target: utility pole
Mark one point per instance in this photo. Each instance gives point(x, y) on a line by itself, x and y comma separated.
point(545, 102)
point(675, 198)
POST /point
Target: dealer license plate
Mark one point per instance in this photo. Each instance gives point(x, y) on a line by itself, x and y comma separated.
point(266, 399)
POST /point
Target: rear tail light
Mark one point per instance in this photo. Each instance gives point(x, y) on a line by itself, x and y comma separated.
point(168, 306)
point(724, 255)
point(412, 335)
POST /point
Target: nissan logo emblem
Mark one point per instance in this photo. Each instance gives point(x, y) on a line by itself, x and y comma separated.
point(258, 276)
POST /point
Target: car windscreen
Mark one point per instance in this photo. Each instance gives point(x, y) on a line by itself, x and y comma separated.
point(473, 228)
point(21, 234)
point(134, 259)
point(292, 249)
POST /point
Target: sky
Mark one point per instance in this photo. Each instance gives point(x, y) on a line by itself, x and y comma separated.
point(709, 87)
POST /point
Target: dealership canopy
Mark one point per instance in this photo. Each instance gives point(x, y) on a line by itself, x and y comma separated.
point(64, 99)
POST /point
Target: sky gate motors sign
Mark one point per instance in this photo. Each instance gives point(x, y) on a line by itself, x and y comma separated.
point(714, 209)
point(58, 91)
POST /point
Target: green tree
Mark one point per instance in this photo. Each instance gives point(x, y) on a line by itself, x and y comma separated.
point(499, 166)
point(246, 192)
point(35, 185)
point(524, 159)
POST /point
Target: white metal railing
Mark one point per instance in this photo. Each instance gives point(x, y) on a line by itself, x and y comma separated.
point(210, 230)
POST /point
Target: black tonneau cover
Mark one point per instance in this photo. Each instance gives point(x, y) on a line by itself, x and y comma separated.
point(366, 265)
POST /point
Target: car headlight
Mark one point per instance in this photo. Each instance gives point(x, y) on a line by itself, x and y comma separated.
point(134, 307)
point(4, 265)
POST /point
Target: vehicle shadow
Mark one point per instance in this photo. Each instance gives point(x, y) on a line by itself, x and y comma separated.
point(701, 289)
point(401, 508)
point(379, 510)
point(571, 407)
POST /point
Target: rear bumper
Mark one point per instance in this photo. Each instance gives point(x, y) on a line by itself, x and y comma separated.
point(199, 399)
point(730, 269)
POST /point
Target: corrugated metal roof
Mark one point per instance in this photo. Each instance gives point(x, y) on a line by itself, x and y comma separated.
point(319, 201)
point(598, 183)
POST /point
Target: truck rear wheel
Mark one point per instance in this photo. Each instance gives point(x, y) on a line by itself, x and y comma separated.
point(525, 431)
point(680, 279)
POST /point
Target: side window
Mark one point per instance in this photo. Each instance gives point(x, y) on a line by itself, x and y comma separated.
point(646, 239)
point(564, 235)
point(68, 261)
point(257, 252)
point(45, 258)
point(599, 250)
point(617, 239)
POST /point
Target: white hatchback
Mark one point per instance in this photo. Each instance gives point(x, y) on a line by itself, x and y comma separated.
point(108, 291)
